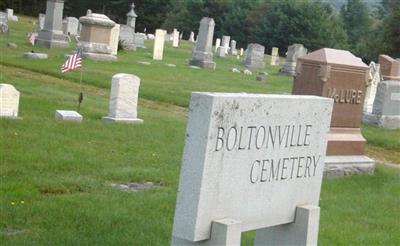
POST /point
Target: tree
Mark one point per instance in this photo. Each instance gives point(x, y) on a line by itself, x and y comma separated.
point(391, 28)
point(186, 15)
point(234, 21)
point(355, 15)
point(280, 24)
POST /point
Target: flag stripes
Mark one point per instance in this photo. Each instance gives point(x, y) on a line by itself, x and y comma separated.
point(32, 37)
point(74, 61)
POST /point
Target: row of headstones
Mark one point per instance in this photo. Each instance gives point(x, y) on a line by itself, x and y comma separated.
point(382, 99)
point(100, 38)
point(122, 107)
point(254, 55)
point(9, 14)
point(70, 25)
point(227, 186)
point(220, 171)
point(4, 18)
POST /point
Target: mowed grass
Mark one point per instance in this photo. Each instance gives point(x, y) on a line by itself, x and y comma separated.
point(159, 82)
point(56, 177)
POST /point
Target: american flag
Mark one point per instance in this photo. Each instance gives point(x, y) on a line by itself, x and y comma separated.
point(73, 62)
point(32, 37)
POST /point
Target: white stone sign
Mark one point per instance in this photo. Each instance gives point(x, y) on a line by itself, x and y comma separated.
point(249, 160)
point(9, 101)
point(124, 99)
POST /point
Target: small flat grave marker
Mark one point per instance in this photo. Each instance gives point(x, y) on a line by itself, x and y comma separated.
point(68, 115)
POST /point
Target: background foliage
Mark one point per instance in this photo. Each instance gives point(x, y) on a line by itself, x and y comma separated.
point(367, 28)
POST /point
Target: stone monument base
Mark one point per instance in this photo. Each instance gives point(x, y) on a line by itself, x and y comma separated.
point(52, 39)
point(385, 121)
point(123, 120)
point(99, 57)
point(345, 141)
point(344, 165)
point(52, 43)
point(203, 64)
point(97, 51)
point(226, 232)
point(289, 68)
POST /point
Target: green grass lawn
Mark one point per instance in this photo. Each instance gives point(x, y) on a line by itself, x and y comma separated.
point(159, 82)
point(56, 177)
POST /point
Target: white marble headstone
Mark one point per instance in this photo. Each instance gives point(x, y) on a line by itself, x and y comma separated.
point(71, 26)
point(158, 48)
point(9, 101)
point(124, 99)
point(251, 158)
point(175, 38)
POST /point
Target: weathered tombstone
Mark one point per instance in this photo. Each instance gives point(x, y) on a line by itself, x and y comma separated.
point(10, 15)
point(127, 35)
point(225, 43)
point(202, 54)
point(71, 26)
point(386, 110)
point(249, 163)
point(41, 20)
point(241, 51)
point(390, 68)
point(294, 52)
point(175, 38)
point(9, 101)
point(3, 23)
point(373, 79)
point(124, 99)
point(151, 36)
point(96, 36)
point(158, 48)
point(217, 44)
point(51, 35)
point(233, 50)
point(254, 57)
point(191, 37)
point(131, 17)
point(68, 115)
point(274, 57)
point(340, 75)
point(220, 52)
point(138, 40)
point(114, 39)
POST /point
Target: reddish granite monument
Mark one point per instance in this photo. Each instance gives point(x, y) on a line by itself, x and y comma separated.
point(390, 68)
point(339, 75)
